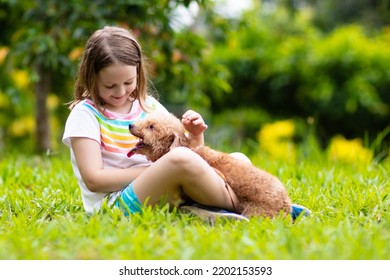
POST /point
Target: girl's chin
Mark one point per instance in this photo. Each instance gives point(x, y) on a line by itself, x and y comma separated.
point(121, 104)
point(119, 101)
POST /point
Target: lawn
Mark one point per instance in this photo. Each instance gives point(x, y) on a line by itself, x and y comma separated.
point(41, 217)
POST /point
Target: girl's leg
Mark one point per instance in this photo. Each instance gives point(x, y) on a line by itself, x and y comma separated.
point(183, 170)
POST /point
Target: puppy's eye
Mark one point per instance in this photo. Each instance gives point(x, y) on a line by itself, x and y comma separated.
point(151, 126)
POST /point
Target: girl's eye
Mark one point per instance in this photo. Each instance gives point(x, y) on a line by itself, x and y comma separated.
point(109, 87)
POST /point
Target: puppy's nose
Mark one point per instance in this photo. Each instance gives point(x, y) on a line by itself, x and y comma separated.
point(130, 126)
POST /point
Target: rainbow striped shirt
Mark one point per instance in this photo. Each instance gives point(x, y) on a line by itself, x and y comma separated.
point(115, 136)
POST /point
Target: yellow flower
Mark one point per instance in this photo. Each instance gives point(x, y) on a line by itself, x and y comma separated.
point(276, 139)
point(22, 126)
point(350, 151)
point(52, 101)
point(277, 130)
point(20, 78)
point(3, 53)
point(75, 53)
point(4, 102)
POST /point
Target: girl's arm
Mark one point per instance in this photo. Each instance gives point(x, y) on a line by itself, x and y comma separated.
point(90, 163)
point(195, 125)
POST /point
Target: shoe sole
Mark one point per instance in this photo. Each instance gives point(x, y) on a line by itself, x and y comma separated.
point(211, 216)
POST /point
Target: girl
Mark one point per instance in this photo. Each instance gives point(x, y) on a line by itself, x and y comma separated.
point(111, 92)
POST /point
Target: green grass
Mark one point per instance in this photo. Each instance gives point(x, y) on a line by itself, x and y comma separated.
point(41, 217)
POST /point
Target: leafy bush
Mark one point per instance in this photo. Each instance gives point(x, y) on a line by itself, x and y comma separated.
point(281, 64)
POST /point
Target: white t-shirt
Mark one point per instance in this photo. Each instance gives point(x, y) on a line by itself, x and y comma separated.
point(114, 138)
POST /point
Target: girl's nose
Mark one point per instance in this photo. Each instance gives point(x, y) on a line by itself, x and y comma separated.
point(122, 90)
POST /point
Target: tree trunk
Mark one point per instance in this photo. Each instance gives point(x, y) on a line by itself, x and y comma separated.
point(42, 88)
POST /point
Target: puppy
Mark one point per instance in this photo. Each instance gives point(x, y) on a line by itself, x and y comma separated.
point(259, 193)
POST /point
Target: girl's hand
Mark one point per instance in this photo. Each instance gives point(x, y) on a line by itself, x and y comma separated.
point(195, 125)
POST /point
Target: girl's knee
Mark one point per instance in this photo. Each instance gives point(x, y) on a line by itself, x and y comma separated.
point(185, 160)
point(241, 156)
point(180, 155)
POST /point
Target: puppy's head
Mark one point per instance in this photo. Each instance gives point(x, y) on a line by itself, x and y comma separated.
point(158, 133)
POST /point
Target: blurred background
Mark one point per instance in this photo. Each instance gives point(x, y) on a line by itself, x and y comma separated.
point(286, 77)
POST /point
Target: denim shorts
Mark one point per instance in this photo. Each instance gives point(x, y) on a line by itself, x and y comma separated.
point(128, 201)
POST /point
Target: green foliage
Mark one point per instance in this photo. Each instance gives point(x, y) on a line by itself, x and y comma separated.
point(229, 129)
point(270, 64)
point(182, 71)
point(46, 39)
point(280, 63)
point(41, 214)
point(331, 13)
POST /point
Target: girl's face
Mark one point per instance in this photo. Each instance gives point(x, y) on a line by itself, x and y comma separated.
point(115, 84)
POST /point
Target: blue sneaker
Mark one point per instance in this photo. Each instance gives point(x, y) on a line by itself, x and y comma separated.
point(298, 210)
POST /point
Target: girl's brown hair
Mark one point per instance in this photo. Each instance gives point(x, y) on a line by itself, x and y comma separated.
point(107, 46)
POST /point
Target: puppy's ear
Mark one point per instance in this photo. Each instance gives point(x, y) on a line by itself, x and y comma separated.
point(179, 141)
